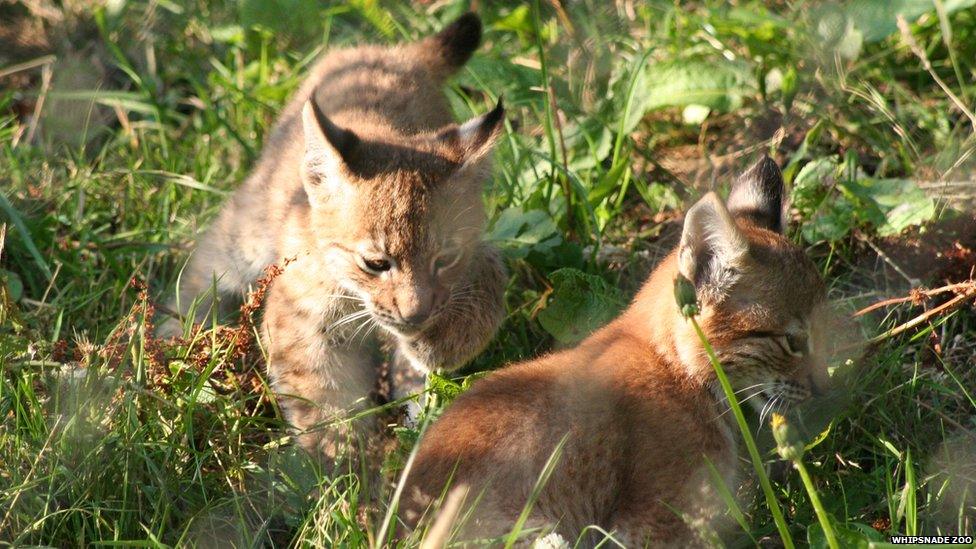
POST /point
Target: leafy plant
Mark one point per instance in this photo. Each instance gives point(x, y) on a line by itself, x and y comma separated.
point(720, 86)
point(579, 304)
point(836, 197)
point(518, 232)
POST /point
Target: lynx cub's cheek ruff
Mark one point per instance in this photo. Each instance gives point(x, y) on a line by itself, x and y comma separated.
point(637, 406)
point(372, 190)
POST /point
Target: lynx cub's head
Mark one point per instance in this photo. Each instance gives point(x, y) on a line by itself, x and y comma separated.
point(762, 299)
point(397, 217)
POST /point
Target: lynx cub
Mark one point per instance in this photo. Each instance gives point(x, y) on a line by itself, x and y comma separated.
point(375, 195)
point(638, 402)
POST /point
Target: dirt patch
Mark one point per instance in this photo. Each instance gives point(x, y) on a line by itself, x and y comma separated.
point(942, 252)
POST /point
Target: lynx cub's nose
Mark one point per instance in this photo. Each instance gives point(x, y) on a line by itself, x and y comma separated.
point(415, 309)
point(415, 318)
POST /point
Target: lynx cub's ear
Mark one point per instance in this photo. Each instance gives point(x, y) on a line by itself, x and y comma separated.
point(328, 148)
point(476, 137)
point(711, 245)
point(457, 42)
point(760, 196)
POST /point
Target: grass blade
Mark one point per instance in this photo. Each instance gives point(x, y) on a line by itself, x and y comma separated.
point(25, 236)
point(540, 483)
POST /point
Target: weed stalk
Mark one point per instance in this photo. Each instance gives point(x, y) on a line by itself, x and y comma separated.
point(685, 296)
point(791, 449)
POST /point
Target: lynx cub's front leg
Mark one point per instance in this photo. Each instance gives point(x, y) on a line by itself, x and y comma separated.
point(321, 364)
point(467, 322)
point(378, 193)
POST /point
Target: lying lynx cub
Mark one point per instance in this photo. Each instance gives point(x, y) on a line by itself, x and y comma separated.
point(638, 402)
point(375, 196)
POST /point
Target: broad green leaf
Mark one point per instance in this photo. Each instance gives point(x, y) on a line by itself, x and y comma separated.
point(831, 222)
point(904, 204)
point(580, 303)
point(812, 181)
point(719, 86)
point(877, 19)
point(760, 28)
point(802, 152)
point(608, 183)
point(888, 205)
point(866, 531)
point(900, 203)
point(906, 215)
point(519, 232)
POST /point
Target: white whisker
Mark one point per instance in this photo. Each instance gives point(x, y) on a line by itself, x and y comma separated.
point(349, 297)
point(349, 318)
point(767, 408)
point(741, 402)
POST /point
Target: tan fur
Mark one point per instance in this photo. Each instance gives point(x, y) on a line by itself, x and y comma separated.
point(364, 164)
point(638, 401)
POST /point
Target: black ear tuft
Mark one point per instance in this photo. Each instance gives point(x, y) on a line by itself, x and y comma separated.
point(344, 141)
point(760, 196)
point(459, 39)
point(494, 117)
point(477, 136)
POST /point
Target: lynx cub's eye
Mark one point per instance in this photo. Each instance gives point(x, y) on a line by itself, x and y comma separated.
point(797, 344)
point(374, 266)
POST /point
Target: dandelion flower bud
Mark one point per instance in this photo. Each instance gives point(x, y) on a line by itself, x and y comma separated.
point(787, 443)
point(684, 295)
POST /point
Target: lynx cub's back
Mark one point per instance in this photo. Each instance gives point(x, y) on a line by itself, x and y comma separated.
point(374, 194)
point(637, 404)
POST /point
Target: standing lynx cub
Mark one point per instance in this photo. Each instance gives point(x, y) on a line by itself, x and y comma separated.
point(374, 195)
point(637, 404)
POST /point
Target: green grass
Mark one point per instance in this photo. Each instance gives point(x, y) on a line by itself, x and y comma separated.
point(620, 113)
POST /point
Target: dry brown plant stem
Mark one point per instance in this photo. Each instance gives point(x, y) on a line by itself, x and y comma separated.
point(965, 291)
